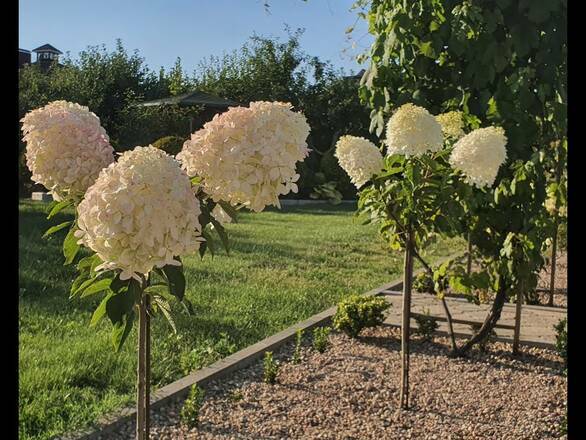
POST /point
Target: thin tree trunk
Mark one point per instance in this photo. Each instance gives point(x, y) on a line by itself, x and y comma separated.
point(450, 325)
point(469, 256)
point(141, 407)
point(517, 332)
point(406, 318)
point(489, 322)
point(147, 363)
point(554, 246)
point(443, 300)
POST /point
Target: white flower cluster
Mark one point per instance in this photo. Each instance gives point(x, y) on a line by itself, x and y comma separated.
point(140, 213)
point(359, 157)
point(413, 131)
point(66, 147)
point(550, 206)
point(452, 124)
point(479, 155)
point(248, 156)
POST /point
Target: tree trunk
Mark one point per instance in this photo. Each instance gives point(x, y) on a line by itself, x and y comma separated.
point(443, 300)
point(469, 256)
point(450, 326)
point(554, 246)
point(489, 322)
point(517, 332)
point(406, 318)
point(142, 406)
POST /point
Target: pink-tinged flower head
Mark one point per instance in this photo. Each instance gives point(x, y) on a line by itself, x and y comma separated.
point(247, 156)
point(66, 148)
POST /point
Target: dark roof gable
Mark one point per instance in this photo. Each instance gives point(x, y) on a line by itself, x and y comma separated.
point(47, 48)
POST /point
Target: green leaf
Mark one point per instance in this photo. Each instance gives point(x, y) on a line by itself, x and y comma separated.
point(222, 233)
point(122, 303)
point(229, 210)
point(97, 287)
point(56, 228)
point(166, 311)
point(121, 330)
point(58, 207)
point(101, 310)
point(70, 246)
point(176, 280)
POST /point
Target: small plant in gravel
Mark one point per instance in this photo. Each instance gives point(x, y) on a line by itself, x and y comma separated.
point(271, 368)
point(320, 338)
point(190, 411)
point(426, 325)
point(561, 339)
point(236, 395)
point(423, 283)
point(482, 344)
point(358, 312)
point(297, 352)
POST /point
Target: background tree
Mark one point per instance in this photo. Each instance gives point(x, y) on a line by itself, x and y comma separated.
point(500, 61)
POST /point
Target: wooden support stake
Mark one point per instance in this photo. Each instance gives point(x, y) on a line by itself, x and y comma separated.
point(142, 406)
point(405, 325)
point(517, 331)
point(554, 246)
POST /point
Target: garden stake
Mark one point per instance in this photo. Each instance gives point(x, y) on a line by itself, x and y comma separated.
point(469, 256)
point(142, 405)
point(554, 246)
point(405, 325)
point(517, 333)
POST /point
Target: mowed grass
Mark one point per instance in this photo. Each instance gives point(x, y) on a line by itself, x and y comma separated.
point(284, 267)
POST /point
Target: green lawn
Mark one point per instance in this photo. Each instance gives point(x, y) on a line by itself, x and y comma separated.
point(285, 266)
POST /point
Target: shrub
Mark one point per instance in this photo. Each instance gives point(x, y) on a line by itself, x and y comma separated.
point(423, 283)
point(327, 191)
point(426, 325)
point(358, 312)
point(320, 338)
point(561, 339)
point(169, 144)
point(333, 172)
point(271, 368)
point(297, 352)
point(190, 410)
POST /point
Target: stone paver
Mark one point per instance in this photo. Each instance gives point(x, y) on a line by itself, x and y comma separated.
point(537, 322)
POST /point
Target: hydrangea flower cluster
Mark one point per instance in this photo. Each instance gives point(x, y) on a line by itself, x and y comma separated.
point(140, 213)
point(479, 155)
point(550, 207)
point(248, 156)
point(452, 124)
point(359, 157)
point(66, 148)
point(413, 131)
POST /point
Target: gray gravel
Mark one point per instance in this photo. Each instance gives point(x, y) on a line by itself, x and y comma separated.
point(351, 392)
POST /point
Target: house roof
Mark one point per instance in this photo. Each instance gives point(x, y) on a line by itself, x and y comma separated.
point(192, 98)
point(24, 50)
point(47, 48)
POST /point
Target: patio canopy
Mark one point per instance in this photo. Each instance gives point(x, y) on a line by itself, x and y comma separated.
point(192, 98)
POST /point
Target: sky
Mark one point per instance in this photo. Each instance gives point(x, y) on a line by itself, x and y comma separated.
point(163, 30)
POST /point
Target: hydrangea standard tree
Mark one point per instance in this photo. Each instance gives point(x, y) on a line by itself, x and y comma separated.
point(415, 194)
point(143, 213)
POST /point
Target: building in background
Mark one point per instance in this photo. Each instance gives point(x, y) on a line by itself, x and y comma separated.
point(24, 57)
point(47, 56)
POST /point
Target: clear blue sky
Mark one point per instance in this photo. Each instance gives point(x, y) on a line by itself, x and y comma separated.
point(162, 30)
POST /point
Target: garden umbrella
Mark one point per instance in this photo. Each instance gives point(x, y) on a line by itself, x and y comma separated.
point(193, 98)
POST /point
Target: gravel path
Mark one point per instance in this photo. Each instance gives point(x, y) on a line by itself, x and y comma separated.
point(351, 392)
